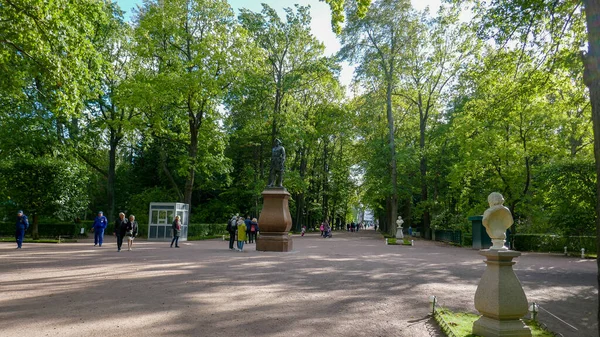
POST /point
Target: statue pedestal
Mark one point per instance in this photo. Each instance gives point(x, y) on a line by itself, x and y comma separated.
point(275, 222)
point(500, 297)
point(399, 234)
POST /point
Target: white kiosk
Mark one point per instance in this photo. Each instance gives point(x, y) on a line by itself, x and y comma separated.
point(161, 219)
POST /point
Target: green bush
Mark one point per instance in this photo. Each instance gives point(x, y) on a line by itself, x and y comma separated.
point(553, 243)
point(206, 230)
point(48, 230)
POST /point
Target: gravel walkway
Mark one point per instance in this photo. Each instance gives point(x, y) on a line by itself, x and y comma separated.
point(350, 285)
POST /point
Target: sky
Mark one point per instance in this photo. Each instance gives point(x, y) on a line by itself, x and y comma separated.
point(320, 25)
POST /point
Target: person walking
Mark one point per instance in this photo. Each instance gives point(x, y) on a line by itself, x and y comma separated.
point(231, 228)
point(98, 227)
point(176, 231)
point(248, 223)
point(253, 230)
point(132, 230)
point(20, 228)
point(241, 237)
point(120, 230)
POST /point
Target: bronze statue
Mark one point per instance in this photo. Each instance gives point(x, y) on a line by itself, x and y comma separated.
point(277, 165)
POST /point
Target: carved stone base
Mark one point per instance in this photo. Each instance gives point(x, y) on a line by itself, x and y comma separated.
point(275, 222)
point(488, 327)
point(274, 242)
point(500, 297)
point(399, 234)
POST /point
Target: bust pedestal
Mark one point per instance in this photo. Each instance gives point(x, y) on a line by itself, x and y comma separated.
point(500, 297)
point(399, 234)
point(275, 221)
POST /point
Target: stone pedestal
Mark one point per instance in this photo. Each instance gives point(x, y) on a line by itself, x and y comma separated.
point(500, 297)
point(399, 234)
point(275, 222)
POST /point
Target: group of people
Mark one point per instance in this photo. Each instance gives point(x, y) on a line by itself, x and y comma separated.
point(325, 229)
point(354, 227)
point(245, 229)
point(124, 228)
point(127, 228)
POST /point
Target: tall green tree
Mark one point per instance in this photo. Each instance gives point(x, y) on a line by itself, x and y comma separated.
point(522, 21)
point(192, 51)
point(431, 67)
point(376, 42)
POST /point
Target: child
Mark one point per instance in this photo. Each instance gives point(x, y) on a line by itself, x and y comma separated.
point(303, 230)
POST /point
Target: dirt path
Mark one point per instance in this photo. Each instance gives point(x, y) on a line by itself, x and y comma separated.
point(351, 285)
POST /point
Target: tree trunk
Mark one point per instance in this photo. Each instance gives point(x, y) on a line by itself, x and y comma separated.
point(325, 178)
point(423, 170)
point(35, 234)
point(592, 81)
point(299, 211)
point(112, 164)
point(393, 202)
point(193, 154)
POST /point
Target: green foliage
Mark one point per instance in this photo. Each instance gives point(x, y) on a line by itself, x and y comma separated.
point(49, 186)
point(554, 243)
point(46, 229)
point(568, 189)
point(207, 230)
point(461, 324)
point(139, 204)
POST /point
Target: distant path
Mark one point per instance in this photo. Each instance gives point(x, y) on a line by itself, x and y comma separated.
point(350, 285)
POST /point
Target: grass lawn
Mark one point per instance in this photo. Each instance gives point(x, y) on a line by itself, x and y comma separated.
point(394, 241)
point(462, 324)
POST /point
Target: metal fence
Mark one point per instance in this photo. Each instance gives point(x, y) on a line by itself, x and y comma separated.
point(448, 236)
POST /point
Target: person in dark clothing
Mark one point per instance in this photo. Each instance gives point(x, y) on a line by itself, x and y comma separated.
point(120, 230)
point(176, 231)
point(248, 223)
point(231, 227)
point(253, 230)
point(21, 226)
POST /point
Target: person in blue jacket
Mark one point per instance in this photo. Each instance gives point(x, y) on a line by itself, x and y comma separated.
point(99, 226)
point(21, 227)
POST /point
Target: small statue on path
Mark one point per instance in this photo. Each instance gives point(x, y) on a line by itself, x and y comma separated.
point(496, 220)
point(277, 165)
point(399, 222)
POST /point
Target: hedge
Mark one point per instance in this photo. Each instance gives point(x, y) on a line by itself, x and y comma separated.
point(207, 229)
point(553, 243)
point(52, 230)
point(48, 230)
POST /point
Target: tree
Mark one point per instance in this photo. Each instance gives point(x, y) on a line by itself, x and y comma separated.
point(45, 186)
point(431, 66)
point(337, 11)
point(522, 21)
point(109, 115)
point(42, 61)
point(377, 41)
point(191, 52)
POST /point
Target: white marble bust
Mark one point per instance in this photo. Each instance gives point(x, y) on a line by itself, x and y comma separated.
point(496, 220)
point(399, 222)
